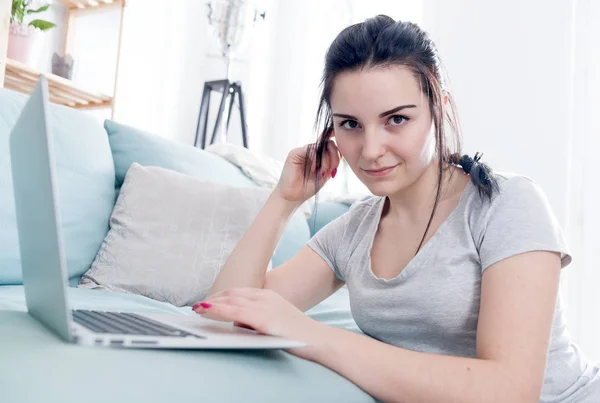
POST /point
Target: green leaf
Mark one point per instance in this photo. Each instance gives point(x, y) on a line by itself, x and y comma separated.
point(42, 25)
point(18, 11)
point(39, 10)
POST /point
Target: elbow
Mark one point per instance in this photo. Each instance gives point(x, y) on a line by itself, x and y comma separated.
point(520, 394)
point(517, 384)
point(266, 283)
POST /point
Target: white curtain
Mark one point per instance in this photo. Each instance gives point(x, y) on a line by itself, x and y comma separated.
point(582, 281)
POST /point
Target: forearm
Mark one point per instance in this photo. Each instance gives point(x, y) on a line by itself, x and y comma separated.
point(247, 264)
point(393, 374)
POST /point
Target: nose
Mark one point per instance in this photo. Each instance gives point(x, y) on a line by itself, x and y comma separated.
point(374, 144)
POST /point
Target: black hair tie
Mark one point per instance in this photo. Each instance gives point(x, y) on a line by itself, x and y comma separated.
point(467, 162)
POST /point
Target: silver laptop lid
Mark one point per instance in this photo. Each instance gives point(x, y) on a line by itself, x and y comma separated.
point(36, 201)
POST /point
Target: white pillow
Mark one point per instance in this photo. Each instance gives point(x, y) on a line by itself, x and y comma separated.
point(170, 234)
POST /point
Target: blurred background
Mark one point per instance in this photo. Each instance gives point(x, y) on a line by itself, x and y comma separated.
point(525, 76)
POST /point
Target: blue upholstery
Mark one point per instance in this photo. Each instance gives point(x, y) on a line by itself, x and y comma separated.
point(86, 179)
point(323, 213)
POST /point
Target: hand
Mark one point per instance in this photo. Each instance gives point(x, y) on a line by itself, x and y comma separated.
point(292, 186)
point(262, 310)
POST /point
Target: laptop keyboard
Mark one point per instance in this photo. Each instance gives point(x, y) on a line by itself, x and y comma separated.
point(125, 323)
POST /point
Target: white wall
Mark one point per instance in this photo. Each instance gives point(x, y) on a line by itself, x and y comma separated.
point(581, 282)
point(509, 68)
point(51, 39)
point(168, 52)
point(522, 97)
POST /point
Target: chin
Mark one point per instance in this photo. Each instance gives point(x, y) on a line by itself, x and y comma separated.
point(384, 188)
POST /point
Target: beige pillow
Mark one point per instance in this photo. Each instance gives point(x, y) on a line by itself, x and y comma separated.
point(170, 234)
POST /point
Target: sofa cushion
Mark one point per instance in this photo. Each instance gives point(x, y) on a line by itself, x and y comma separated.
point(131, 145)
point(323, 213)
point(170, 235)
point(86, 180)
point(39, 367)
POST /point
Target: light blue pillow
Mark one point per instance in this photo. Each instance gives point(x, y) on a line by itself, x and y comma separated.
point(324, 213)
point(86, 180)
point(131, 145)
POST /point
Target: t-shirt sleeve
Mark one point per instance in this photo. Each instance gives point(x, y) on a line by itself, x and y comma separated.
point(520, 220)
point(326, 242)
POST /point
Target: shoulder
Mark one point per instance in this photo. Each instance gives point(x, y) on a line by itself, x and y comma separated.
point(520, 203)
point(511, 184)
point(365, 211)
point(518, 218)
point(368, 203)
point(358, 220)
point(514, 191)
point(518, 198)
point(342, 234)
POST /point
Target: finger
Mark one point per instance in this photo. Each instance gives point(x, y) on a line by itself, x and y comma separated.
point(337, 155)
point(240, 324)
point(229, 313)
point(205, 308)
point(328, 159)
point(248, 292)
point(334, 158)
point(313, 161)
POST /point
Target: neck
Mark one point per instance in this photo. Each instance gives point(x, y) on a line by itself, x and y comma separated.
point(415, 202)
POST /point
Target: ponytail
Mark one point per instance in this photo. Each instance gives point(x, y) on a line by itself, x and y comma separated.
point(481, 174)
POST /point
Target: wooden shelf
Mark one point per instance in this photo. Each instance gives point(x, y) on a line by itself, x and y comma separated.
point(75, 5)
point(62, 91)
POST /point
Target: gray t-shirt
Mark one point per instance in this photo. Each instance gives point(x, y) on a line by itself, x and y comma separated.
point(433, 304)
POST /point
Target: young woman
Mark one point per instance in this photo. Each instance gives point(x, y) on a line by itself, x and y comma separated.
point(452, 270)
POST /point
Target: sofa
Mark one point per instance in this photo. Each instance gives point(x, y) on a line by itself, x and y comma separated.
point(36, 366)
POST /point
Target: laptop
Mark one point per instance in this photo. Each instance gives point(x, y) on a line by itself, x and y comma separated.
point(44, 265)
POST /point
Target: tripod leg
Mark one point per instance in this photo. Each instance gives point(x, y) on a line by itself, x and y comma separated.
point(231, 102)
point(220, 114)
point(200, 140)
point(238, 88)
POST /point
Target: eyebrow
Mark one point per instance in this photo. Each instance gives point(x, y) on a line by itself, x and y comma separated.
point(381, 115)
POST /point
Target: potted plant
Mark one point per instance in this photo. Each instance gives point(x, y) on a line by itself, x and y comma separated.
point(24, 39)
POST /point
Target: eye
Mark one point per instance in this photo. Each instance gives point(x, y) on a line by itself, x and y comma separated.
point(349, 124)
point(397, 120)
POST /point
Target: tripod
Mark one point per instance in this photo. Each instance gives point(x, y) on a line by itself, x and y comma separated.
point(229, 90)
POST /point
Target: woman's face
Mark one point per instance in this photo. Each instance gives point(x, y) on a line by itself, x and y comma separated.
point(383, 127)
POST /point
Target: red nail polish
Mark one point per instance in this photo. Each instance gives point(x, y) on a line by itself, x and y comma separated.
point(195, 306)
point(333, 172)
point(205, 305)
point(322, 174)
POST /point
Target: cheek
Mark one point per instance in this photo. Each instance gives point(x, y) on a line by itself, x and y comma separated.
point(418, 145)
point(346, 146)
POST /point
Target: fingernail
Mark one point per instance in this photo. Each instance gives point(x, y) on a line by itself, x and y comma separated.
point(195, 306)
point(322, 174)
point(205, 305)
point(333, 172)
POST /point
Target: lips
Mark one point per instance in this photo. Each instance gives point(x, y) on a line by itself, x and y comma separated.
point(380, 171)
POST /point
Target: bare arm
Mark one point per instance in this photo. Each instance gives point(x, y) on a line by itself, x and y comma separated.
point(305, 279)
point(515, 320)
point(247, 264)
